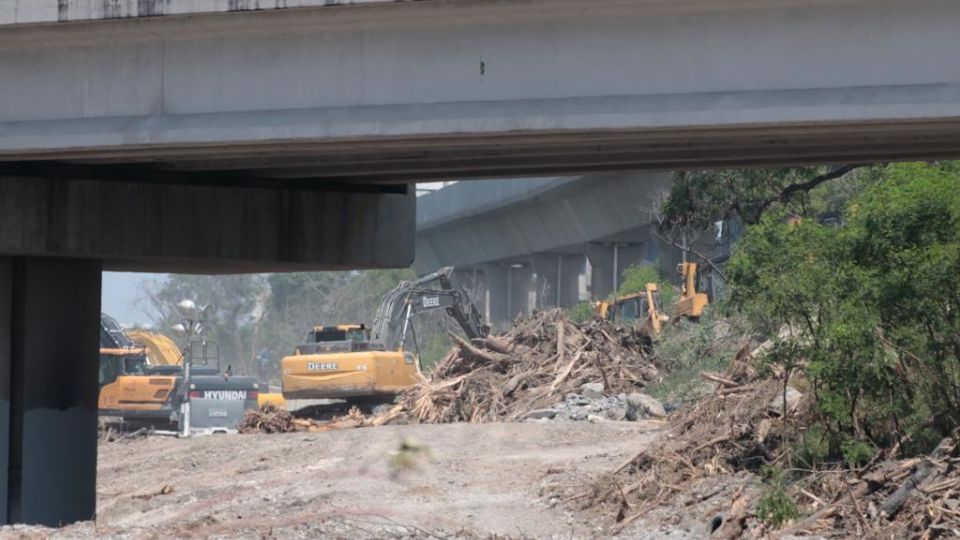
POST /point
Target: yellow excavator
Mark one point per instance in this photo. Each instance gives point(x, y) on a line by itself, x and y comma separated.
point(124, 390)
point(630, 309)
point(370, 366)
point(645, 306)
point(691, 303)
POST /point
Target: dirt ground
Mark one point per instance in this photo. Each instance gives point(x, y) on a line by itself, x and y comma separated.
point(463, 480)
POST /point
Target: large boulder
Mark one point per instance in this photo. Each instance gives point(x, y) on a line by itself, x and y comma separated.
point(592, 390)
point(643, 406)
point(793, 399)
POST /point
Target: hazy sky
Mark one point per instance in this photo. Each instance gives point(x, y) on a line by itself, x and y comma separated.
point(120, 291)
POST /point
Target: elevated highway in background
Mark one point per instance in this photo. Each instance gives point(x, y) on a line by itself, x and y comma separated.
point(276, 135)
point(540, 242)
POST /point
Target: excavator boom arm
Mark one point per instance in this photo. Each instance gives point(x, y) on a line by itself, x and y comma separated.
point(431, 292)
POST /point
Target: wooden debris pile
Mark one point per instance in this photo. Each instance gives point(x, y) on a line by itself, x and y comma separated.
point(733, 429)
point(710, 463)
point(907, 498)
point(270, 419)
point(534, 364)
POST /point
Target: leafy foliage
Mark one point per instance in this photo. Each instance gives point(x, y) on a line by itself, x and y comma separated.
point(234, 299)
point(775, 506)
point(581, 312)
point(869, 309)
point(698, 199)
point(636, 277)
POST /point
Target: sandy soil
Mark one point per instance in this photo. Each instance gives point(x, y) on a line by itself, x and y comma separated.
point(457, 480)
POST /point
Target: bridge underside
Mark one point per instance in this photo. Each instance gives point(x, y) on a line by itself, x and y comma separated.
point(404, 91)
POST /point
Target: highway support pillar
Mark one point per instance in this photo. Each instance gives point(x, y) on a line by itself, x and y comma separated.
point(49, 350)
point(548, 269)
point(519, 276)
point(601, 259)
point(495, 278)
point(558, 279)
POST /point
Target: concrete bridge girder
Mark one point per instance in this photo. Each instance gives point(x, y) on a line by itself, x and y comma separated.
point(532, 88)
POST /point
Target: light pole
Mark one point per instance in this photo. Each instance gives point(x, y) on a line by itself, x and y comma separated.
point(191, 324)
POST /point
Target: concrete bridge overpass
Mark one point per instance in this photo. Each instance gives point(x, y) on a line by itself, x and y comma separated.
point(540, 242)
point(226, 135)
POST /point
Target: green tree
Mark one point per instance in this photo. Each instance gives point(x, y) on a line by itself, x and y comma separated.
point(869, 307)
point(234, 299)
point(636, 277)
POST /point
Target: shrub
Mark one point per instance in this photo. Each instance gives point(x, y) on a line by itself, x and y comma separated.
point(581, 312)
point(775, 506)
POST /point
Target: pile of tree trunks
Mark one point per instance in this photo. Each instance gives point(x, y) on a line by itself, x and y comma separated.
point(889, 498)
point(270, 419)
point(736, 428)
point(539, 360)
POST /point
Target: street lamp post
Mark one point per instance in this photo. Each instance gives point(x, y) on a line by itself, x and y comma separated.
point(191, 324)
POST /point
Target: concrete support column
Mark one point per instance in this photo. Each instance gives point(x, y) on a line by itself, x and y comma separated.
point(601, 270)
point(495, 275)
point(571, 268)
point(633, 254)
point(49, 339)
point(558, 279)
point(518, 285)
point(548, 268)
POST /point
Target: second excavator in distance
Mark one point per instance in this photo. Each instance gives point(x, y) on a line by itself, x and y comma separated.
point(370, 366)
point(643, 309)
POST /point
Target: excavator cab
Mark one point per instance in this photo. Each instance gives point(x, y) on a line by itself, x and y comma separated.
point(117, 362)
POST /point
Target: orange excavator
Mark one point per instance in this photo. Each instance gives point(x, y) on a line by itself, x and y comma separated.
point(141, 383)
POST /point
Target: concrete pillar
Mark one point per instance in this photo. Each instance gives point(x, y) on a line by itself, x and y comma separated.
point(495, 278)
point(519, 277)
point(548, 270)
point(601, 270)
point(571, 268)
point(608, 262)
point(557, 279)
point(49, 340)
point(633, 254)
point(508, 290)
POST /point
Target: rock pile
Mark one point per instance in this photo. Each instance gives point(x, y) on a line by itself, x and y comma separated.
point(591, 405)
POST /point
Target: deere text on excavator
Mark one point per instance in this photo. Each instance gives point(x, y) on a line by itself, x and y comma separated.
point(368, 366)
